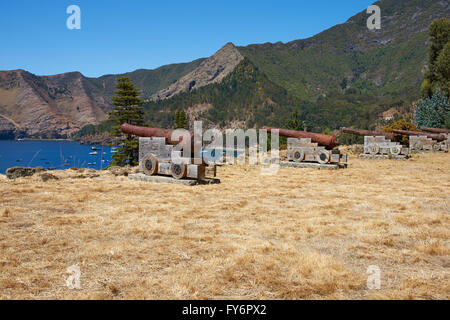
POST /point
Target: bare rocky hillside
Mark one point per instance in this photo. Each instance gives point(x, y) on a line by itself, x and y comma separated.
point(212, 70)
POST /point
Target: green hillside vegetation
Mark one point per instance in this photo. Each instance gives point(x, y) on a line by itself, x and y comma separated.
point(245, 94)
point(345, 76)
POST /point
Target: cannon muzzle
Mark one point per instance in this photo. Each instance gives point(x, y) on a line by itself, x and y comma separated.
point(322, 139)
point(435, 130)
point(439, 137)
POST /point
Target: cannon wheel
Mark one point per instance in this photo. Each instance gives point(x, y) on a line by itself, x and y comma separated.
point(298, 155)
point(374, 149)
point(395, 150)
point(418, 145)
point(178, 171)
point(436, 147)
point(150, 165)
point(323, 157)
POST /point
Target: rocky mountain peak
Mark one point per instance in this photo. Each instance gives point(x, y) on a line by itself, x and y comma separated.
point(212, 70)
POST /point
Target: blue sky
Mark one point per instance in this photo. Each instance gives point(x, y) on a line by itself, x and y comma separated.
point(121, 36)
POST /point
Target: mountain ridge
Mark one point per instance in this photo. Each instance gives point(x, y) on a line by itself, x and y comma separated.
point(62, 104)
point(345, 75)
point(211, 70)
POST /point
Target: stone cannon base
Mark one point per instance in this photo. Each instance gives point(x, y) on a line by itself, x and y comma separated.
point(167, 179)
point(383, 156)
point(330, 166)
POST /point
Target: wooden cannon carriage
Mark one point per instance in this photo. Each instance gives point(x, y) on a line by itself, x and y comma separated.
point(158, 156)
point(311, 148)
point(427, 141)
point(379, 144)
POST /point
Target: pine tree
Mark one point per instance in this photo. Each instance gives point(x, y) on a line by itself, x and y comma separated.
point(437, 76)
point(433, 112)
point(127, 109)
point(177, 119)
point(295, 123)
point(442, 69)
point(180, 120)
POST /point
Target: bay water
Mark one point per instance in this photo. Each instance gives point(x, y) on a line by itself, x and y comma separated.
point(52, 154)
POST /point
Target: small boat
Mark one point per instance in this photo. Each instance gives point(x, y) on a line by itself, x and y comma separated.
point(93, 153)
point(18, 160)
point(92, 163)
point(94, 148)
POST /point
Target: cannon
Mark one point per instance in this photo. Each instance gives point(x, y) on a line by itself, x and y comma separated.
point(379, 144)
point(425, 141)
point(364, 133)
point(439, 137)
point(157, 154)
point(435, 130)
point(310, 147)
point(324, 140)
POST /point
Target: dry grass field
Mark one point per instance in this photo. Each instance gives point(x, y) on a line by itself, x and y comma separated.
point(301, 234)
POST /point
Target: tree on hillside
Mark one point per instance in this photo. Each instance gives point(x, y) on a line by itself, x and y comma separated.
point(180, 120)
point(438, 76)
point(295, 123)
point(433, 112)
point(442, 69)
point(127, 109)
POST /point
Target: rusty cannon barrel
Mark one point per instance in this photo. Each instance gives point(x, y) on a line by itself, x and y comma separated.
point(360, 132)
point(322, 139)
point(439, 137)
point(435, 130)
point(151, 133)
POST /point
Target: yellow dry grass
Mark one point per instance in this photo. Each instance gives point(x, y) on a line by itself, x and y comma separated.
point(301, 234)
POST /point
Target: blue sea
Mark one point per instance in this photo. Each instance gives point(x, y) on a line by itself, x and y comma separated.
point(63, 154)
point(52, 154)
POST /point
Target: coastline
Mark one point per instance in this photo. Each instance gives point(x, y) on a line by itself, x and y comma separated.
point(83, 140)
point(36, 139)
